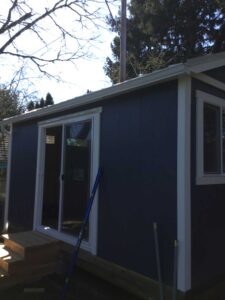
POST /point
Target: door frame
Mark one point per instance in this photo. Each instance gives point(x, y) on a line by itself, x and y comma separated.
point(94, 116)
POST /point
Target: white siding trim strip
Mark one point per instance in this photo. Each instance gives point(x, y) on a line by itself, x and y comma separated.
point(8, 176)
point(206, 62)
point(209, 80)
point(183, 184)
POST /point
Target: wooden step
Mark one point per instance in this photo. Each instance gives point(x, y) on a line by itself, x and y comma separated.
point(10, 261)
point(33, 246)
point(27, 275)
point(27, 256)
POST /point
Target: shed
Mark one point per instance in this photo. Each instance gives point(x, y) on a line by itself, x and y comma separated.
point(160, 141)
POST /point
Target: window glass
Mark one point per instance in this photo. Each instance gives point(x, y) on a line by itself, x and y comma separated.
point(77, 167)
point(52, 165)
point(212, 157)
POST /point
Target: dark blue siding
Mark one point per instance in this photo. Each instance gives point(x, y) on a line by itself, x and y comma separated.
point(23, 175)
point(208, 221)
point(138, 154)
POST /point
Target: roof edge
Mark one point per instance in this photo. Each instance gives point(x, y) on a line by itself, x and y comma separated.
point(206, 62)
point(153, 78)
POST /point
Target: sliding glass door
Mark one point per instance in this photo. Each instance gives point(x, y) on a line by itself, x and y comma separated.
point(68, 161)
point(66, 176)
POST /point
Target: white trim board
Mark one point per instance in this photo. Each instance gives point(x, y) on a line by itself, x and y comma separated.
point(70, 117)
point(206, 62)
point(8, 177)
point(210, 80)
point(183, 184)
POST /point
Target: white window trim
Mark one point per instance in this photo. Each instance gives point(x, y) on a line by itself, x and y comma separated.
point(201, 178)
point(94, 115)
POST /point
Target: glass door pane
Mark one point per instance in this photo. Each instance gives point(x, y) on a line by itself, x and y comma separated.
point(77, 164)
point(52, 171)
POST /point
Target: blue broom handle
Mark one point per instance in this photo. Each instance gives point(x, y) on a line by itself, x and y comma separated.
point(81, 234)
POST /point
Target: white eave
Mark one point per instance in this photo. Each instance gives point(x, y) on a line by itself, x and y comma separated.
point(193, 66)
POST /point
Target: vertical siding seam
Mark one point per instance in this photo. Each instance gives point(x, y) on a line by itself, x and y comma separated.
point(183, 183)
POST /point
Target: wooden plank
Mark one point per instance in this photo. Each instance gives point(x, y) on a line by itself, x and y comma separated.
point(135, 283)
point(26, 243)
point(29, 238)
point(28, 275)
point(11, 261)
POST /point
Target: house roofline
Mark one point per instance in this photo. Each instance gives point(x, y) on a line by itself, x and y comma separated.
point(192, 66)
point(206, 62)
point(153, 78)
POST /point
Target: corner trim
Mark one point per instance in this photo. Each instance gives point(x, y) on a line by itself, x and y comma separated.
point(183, 183)
point(8, 176)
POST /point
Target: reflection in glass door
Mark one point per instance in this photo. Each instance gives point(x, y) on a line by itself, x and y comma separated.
point(76, 175)
point(52, 169)
point(67, 170)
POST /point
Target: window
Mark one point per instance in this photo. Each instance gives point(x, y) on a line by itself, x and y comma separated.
point(210, 158)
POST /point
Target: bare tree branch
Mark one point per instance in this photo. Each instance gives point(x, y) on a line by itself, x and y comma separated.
point(52, 38)
point(5, 24)
point(15, 23)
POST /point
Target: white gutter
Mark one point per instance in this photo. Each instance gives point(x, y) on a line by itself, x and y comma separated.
point(154, 78)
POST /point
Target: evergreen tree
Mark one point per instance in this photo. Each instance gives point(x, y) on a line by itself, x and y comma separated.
point(160, 33)
point(42, 103)
point(9, 103)
point(37, 105)
point(30, 105)
point(49, 99)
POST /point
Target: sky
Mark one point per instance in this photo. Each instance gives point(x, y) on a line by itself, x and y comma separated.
point(86, 73)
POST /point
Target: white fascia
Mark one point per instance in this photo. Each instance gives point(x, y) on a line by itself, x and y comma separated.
point(184, 184)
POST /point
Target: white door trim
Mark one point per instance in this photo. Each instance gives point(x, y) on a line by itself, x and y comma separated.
point(94, 116)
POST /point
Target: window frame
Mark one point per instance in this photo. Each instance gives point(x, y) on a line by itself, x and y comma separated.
point(201, 177)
